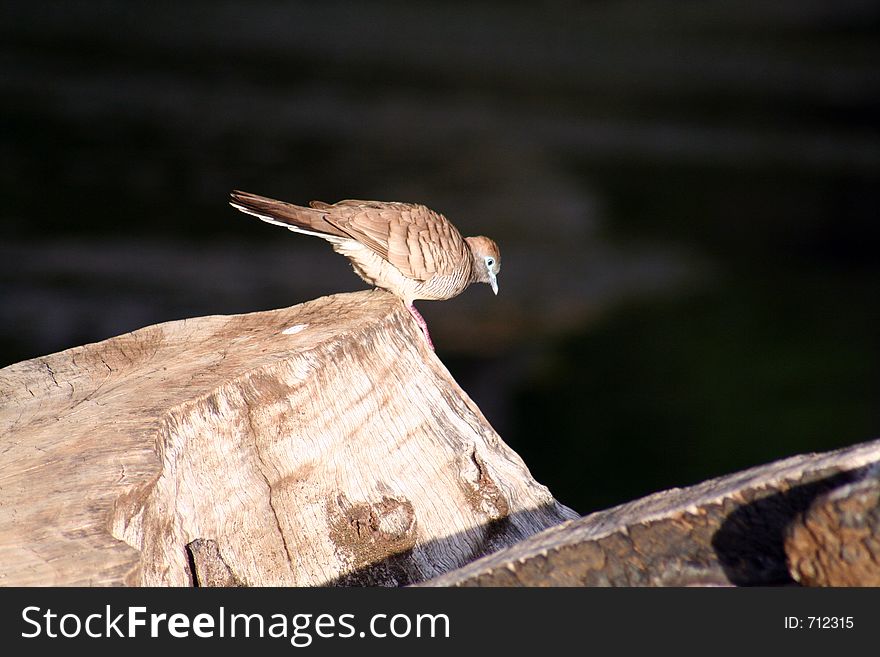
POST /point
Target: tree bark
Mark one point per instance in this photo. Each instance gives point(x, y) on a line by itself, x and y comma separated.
point(836, 541)
point(313, 445)
point(811, 519)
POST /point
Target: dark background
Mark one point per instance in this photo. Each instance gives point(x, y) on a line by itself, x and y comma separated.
point(685, 195)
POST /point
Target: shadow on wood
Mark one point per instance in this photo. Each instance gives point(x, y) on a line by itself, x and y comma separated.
point(325, 444)
point(836, 540)
point(733, 530)
point(750, 543)
point(291, 447)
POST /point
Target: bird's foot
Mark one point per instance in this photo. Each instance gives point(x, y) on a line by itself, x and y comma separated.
point(422, 323)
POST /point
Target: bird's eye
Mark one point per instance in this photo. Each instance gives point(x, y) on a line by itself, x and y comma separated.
point(490, 262)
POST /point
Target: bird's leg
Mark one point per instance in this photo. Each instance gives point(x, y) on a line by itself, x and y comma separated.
point(421, 322)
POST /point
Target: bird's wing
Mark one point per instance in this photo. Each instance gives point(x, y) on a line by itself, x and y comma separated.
point(419, 242)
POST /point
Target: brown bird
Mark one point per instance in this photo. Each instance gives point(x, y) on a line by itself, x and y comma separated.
point(405, 248)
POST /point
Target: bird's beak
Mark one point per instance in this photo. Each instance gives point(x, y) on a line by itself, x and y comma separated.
point(493, 283)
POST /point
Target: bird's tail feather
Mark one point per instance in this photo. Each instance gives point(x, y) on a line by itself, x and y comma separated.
point(309, 221)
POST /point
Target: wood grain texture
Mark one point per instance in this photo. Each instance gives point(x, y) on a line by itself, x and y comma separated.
point(726, 531)
point(318, 444)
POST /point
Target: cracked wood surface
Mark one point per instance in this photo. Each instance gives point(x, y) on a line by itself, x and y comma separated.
point(811, 518)
point(318, 444)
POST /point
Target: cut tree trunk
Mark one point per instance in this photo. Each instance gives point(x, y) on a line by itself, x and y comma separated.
point(326, 444)
point(313, 445)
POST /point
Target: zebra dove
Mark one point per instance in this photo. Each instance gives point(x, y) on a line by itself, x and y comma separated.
point(407, 249)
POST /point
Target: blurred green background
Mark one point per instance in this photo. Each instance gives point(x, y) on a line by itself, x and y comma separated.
point(685, 195)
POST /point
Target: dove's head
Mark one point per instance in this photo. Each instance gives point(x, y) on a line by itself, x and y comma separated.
point(487, 260)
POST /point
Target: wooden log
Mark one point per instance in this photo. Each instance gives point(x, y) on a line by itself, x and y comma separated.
point(318, 444)
point(726, 531)
point(836, 541)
